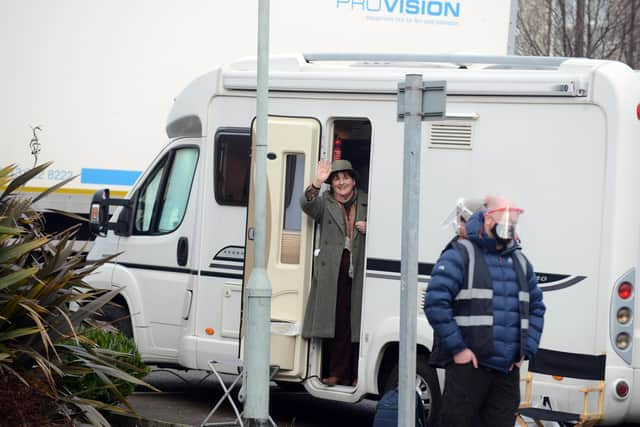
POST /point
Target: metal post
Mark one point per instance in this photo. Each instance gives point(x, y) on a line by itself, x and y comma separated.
point(409, 254)
point(414, 106)
point(256, 351)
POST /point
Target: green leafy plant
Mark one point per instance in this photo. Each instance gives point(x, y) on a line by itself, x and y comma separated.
point(41, 277)
point(124, 353)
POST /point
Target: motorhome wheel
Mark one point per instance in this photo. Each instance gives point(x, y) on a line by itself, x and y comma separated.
point(426, 385)
point(118, 316)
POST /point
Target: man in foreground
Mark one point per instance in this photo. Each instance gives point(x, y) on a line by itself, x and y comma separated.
point(486, 309)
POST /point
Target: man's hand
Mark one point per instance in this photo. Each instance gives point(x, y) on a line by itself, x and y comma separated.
point(516, 365)
point(361, 226)
point(322, 172)
point(465, 356)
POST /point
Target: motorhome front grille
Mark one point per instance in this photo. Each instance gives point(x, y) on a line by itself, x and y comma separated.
point(451, 135)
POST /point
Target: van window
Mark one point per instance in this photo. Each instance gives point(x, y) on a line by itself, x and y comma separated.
point(146, 200)
point(163, 198)
point(292, 217)
point(232, 166)
point(177, 190)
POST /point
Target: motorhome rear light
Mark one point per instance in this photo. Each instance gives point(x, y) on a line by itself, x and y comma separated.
point(625, 290)
point(638, 111)
point(622, 389)
point(622, 341)
point(210, 331)
point(624, 315)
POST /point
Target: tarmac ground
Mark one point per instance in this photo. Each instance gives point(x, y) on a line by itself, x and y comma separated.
point(187, 398)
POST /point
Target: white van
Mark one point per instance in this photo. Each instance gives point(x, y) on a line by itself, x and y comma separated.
point(560, 136)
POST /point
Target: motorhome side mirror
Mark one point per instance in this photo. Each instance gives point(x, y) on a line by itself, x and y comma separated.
point(99, 212)
point(123, 225)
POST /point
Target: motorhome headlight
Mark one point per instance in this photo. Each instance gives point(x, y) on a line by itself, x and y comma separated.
point(624, 315)
point(623, 340)
point(622, 389)
point(625, 290)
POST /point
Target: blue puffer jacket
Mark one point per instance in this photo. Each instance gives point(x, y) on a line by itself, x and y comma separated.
point(446, 281)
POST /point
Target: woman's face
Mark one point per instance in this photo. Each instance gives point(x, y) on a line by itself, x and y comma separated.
point(342, 185)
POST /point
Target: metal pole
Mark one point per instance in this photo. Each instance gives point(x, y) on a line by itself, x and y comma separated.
point(409, 255)
point(256, 351)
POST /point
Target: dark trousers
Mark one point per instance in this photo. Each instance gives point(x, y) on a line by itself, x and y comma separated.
point(469, 392)
point(342, 353)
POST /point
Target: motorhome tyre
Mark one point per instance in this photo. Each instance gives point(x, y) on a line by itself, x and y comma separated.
point(426, 385)
point(119, 317)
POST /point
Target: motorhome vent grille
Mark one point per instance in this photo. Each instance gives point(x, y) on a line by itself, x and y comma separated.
point(451, 134)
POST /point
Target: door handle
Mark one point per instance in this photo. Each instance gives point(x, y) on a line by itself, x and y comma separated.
point(183, 251)
point(186, 308)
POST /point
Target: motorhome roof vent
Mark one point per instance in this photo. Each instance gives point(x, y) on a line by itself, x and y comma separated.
point(450, 134)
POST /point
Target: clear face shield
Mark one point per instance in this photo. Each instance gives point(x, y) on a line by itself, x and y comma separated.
point(506, 220)
point(461, 213)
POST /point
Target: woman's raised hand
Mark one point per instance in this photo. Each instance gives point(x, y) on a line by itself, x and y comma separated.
point(322, 172)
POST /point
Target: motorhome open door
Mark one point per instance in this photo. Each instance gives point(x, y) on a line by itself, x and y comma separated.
point(291, 162)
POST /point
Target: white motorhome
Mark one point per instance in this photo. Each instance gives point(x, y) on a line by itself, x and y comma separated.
point(560, 136)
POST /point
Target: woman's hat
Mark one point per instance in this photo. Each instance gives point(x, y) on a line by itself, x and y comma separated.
point(342, 166)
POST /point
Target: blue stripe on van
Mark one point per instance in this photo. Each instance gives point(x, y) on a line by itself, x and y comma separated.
point(108, 176)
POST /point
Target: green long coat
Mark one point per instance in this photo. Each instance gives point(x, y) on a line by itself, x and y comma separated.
point(320, 314)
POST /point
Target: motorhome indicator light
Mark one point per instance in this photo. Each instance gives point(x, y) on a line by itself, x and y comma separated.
point(622, 341)
point(95, 211)
point(624, 315)
point(210, 331)
point(625, 290)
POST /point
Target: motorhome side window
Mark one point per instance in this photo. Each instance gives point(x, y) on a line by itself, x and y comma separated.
point(232, 166)
point(292, 218)
point(163, 198)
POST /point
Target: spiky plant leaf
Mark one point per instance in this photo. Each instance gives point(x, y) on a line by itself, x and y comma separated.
point(40, 276)
point(15, 252)
point(24, 178)
point(17, 277)
point(95, 417)
point(10, 231)
point(17, 333)
point(5, 175)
